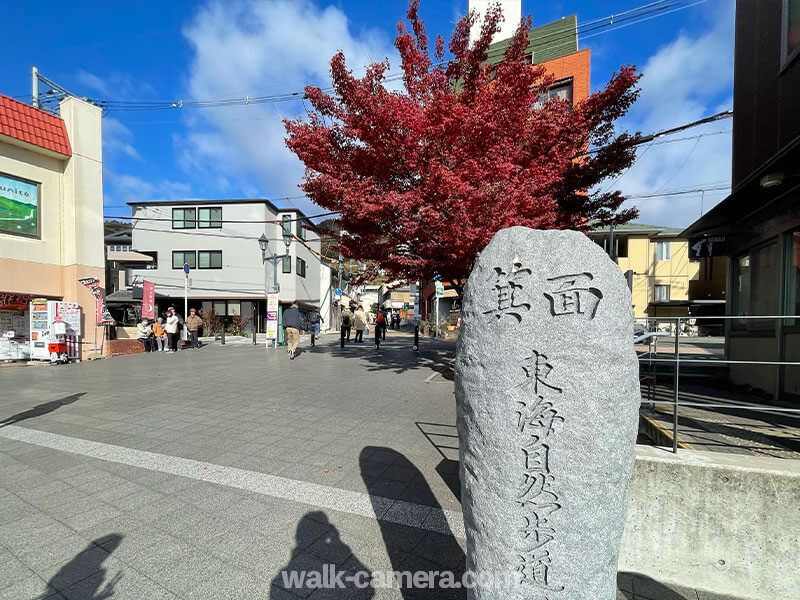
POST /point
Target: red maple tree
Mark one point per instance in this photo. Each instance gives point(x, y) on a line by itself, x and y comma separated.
point(424, 177)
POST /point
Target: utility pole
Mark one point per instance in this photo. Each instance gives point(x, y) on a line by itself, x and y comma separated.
point(612, 251)
point(35, 86)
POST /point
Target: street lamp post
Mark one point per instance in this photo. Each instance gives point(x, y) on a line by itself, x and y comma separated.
point(263, 243)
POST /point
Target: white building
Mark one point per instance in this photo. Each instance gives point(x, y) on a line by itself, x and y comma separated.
point(218, 239)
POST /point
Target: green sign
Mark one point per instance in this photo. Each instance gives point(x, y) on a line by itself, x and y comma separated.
point(19, 206)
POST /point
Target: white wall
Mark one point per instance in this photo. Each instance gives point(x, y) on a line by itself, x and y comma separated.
point(512, 11)
point(243, 273)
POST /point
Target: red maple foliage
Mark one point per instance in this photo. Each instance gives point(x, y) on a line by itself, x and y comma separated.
point(424, 177)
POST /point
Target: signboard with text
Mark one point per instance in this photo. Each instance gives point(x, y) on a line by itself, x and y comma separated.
point(715, 245)
point(148, 300)
point(272, 316)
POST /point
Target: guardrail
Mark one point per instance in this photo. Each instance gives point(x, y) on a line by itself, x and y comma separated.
point(687, 327)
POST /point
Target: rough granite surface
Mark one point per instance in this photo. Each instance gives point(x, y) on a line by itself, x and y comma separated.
point(548, 395)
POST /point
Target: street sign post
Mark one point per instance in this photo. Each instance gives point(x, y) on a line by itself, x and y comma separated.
point(186, 290)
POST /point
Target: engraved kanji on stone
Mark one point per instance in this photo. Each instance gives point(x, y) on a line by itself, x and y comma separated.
point(537, 417)
point(533, 569)
point(508, 284)
point(537, 368)
point(573, 295)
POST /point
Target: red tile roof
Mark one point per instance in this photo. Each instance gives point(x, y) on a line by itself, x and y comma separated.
point(28, 124)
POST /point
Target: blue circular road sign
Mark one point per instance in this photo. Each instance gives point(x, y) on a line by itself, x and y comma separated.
point(186, 268)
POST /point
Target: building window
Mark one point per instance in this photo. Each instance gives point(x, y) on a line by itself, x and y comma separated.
point(756, 279)
point(302, 232)
point(183, 218)
point(663, 251)
point(286, 264)
point(209, 218)
point(791, 30)
point(234, 308)
point(562, 90)
point(622, 246)
point(287, 224)
point(181, 257)
point(301, 267)
point(219, 308)
point(661, 293)
point(765, 280)
point(741, 286)
point(209, 259)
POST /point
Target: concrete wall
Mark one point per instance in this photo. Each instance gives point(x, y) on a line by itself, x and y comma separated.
point(718, 522)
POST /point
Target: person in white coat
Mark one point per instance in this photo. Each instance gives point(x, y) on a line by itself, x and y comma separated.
point(172, 326)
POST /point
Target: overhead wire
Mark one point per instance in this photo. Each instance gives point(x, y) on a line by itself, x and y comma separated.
point(593, 28)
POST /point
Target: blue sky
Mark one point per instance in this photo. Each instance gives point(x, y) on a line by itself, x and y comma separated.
point(202, 50)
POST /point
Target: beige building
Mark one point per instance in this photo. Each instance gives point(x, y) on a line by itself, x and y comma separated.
point(656, 262)
point(51, 207)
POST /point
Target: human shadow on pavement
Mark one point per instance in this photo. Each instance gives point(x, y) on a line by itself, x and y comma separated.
point(84, 575)
point(635, 585)
point(321, 564)
point(396, 355)
point(389, 474)
point(41, 409)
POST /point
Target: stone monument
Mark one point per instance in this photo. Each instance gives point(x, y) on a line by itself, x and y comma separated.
point(548, 397)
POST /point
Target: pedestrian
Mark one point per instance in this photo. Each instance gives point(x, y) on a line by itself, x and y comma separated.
point(160, 335)
point(314, 318)
point(360, 323)
point(292, 327)
point(193, 324)
point(145, 334)
point(380, 324)
point(173, 323)
point(347, 323)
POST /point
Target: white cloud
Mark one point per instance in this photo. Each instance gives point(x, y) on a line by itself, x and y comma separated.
point(117, 140)
point(685, 80)
point(115, 85)
point(122, 188)
point(259, 49)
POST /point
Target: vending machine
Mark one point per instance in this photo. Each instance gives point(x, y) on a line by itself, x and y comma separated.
point(55, 329)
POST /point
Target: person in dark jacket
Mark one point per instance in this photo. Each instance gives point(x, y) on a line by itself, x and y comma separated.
point(292, 327)
point(314, 318)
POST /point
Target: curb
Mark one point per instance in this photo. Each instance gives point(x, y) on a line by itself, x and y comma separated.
point(659, 434)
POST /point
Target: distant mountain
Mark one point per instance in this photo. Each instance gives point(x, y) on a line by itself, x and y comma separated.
point(113, 226)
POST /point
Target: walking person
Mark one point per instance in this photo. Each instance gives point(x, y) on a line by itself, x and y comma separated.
point(173, 323)
point(193, 324)
point(160, 335)
point(347, 323)
point(292, 328)
point(380, 324)
point(145, 334)
point(360, 323)
point(314, 318)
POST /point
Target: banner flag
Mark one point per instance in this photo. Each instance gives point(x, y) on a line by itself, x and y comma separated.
point(93, 285)
point(148, 300)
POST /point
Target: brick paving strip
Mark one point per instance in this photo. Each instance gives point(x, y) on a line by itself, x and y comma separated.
point(314, 494)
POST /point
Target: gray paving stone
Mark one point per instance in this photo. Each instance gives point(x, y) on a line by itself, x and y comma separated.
point(53, 551)
point(99, 513)
point(29, 588)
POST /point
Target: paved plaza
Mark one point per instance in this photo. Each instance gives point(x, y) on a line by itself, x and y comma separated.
point(205, 474)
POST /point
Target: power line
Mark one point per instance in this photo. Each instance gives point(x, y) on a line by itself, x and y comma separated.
point(609, 23)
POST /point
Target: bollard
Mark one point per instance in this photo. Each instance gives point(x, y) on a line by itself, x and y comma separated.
point(223, 335)
point(416, 338)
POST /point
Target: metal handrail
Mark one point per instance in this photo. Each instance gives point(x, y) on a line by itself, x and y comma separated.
point(651, 357)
